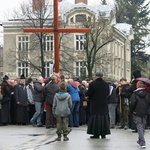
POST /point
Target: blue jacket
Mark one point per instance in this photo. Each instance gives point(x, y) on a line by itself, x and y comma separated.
point(73, 90)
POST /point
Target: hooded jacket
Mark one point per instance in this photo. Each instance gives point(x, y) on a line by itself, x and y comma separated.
point(140, 101)
point(62, 104)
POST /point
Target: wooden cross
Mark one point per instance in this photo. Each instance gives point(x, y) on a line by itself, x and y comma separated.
point(56, 30)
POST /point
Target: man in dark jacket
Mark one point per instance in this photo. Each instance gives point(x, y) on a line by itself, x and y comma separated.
point(50, 91)
point(136, 74)
point(139, 105)
point(99, 118)
point(38, 96)
point(123, 103)
point(112, 105)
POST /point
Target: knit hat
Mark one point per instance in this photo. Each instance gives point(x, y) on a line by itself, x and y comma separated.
point(22, 76)
point(5, 78)
point(140, 84)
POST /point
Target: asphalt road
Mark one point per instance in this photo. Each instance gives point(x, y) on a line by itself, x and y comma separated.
point(13, 137)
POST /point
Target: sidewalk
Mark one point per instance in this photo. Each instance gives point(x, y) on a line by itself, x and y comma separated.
point(38, 138)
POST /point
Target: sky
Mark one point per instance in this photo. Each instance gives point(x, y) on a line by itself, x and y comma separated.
point(8, 6)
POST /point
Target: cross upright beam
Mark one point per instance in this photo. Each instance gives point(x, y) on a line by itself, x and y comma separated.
point(56, 30)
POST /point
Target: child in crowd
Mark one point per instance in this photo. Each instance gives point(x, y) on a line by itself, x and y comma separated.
point(139, 105)
point(61, 109)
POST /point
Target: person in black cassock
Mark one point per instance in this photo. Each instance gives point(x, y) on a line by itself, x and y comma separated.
point(6, 100)
point(20, 94)
point(99, 118)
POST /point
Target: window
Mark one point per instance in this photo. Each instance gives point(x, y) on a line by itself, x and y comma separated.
point(23, 43)
point(48, 69)
point(71, 20)
point(80, 69)
point(80, 40)
point(23, 69)
point(89, 19)
point(80, 18)
point(48, 43)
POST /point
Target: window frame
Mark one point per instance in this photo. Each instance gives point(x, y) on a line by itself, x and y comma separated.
point(80, 68)
point(23, 68)
point(80, 40)
point(48, 43)
point(23, 43)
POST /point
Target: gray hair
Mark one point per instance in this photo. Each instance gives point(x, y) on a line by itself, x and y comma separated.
point(40, 78)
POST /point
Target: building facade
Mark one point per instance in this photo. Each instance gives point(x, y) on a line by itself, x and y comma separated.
point(22, 54)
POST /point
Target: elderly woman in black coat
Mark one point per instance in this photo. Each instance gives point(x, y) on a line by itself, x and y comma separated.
point(99, 118)
point(6, 91)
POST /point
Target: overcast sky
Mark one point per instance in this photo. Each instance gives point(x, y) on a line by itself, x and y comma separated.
point(8, 5)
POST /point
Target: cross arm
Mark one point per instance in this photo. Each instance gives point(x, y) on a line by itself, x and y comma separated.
point(61, 30)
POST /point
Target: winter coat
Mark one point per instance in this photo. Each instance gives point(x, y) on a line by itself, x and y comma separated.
point(98, 92)
point(38, 92)
point(112, 98)
point(30, 94)
point(124, 94)
point(50, 91)
point(139, 102)
point(73, 90)
point(62, 104)
point(20, 94)
point(6, 92)
point(82, 94)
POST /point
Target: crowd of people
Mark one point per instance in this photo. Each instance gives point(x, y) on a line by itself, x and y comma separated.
point(62, 103)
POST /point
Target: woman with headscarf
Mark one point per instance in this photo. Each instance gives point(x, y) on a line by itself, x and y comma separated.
point(5, 102)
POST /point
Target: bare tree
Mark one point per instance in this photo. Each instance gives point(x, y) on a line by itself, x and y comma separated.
point(94, 53)
point(37, 15)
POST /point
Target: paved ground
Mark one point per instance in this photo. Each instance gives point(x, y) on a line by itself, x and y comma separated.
point(38, 138)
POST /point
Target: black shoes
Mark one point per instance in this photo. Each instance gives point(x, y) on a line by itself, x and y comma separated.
point(48, 127)
point(33, 124)
point(40, 125)
point(134, 131)
point(103, 137)
point(94, 137)
point(97, 137)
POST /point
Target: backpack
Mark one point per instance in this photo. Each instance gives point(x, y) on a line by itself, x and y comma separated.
point(124, 91)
